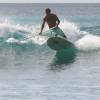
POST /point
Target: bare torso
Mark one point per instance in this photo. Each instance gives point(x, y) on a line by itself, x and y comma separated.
point(51, 20)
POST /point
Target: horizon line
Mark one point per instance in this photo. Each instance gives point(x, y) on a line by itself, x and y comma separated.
point(55, 2)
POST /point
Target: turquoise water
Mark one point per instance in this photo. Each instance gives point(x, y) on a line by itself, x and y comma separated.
point(29, 69)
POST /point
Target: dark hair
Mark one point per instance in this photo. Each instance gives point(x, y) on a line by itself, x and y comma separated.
point(48, 10)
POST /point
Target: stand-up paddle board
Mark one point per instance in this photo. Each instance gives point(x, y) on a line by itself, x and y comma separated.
point(58, 43)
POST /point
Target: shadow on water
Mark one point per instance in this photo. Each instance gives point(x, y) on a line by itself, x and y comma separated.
point(62, 58)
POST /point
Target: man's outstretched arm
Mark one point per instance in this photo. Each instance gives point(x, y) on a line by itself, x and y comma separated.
point(42, 27)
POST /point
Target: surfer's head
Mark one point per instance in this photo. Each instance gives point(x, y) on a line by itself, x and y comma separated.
point(47, 11)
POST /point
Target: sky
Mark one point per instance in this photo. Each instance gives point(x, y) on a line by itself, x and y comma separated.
point(50, 1)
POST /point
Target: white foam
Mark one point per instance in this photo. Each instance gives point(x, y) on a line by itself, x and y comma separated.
point(15, 41)
point(8, 26)
point(12, 40)
point(88, 42)
point(71, 30)
point(82, 40)
point(38, 39)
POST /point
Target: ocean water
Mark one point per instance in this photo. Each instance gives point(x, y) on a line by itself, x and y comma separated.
point(30, 70)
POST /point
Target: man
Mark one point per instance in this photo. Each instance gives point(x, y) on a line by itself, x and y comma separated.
point(53, 22)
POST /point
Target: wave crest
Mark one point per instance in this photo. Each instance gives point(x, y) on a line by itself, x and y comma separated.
point(82, 40)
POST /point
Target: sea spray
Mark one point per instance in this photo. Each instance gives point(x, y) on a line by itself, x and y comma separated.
point(81, 39)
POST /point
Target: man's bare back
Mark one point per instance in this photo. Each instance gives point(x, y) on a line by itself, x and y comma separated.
point(51, 20)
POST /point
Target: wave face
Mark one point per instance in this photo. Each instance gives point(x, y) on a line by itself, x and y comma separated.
point(24, 40)
point(12, 33)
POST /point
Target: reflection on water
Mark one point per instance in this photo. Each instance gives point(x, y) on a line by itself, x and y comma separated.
point(63, 57)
